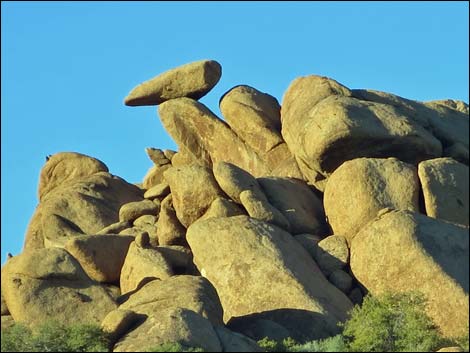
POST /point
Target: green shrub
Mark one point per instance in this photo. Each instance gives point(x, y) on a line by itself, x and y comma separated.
point(392, 323)
point(330, 344)
point(53, 337)
point(174, 347)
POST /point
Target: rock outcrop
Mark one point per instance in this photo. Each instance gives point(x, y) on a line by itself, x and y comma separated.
point(270, 223)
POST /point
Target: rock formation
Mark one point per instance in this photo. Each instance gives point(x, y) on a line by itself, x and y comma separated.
point(271, 222)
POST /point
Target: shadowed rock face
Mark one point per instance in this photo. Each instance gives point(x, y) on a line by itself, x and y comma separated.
point(404, 251)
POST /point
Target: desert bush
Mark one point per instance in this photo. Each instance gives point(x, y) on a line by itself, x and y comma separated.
point(392, 323)
point(53, 337)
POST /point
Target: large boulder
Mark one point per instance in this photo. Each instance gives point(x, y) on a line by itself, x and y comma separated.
point(49, 284)
point(190, 292)
point(324, 127)
point(254, 116)
point(402, 251)
point(259, 268)
point(360, 188)
point(192, 80)
point(193, 188)
point(141, 265)
point(445, 188)
point(297, 202)
point(67, 166)
point(101, 256)
point(78, 207)
point(171, 325)
point(206, 138)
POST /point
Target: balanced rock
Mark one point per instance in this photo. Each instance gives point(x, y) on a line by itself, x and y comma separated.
point(445, 189)
point(297, 202)
point(67, 166)
point(254, 116)
point(193, 188)
point(192, 80)
point(142, 265)
point(402, 251)
point(157, 156)
point(252, 266)
point(49, 284)
point(154, 176)
point(360, 188)
point(101, 256)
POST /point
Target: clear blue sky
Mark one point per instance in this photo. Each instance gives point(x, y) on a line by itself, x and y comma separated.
point(67, 66)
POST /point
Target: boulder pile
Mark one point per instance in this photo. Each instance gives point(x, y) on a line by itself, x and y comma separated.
point(272, 222)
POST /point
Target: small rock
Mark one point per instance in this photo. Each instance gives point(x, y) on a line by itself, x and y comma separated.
point(133, 210)
point(332, 254)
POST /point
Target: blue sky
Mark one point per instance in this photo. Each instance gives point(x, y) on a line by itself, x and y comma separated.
point(67, 66)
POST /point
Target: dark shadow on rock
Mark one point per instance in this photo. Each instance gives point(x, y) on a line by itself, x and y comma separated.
point(301, 325)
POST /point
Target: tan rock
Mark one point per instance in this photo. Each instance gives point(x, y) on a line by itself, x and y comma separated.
point(294, 198)
point(258, 207)
point(157, 191)
point(133, 210)
point(254, 116)
point(157, 156)
point(205, 137)
point(101, 256)
point(142, 240)
point(171, 325)
point(222, 207)
point(445, 187)
point(169, 229)
point(402, 251)
point(169, 154)
point(49, 284)
point(451, 349)
point(67, 166)
point(190, 292)
point(235, 342)
point(118, 322)
point(447, 124)
point(115, 228)
point(323, 126)
point(360, 188)
point(81, 206)
point(451, 103)
point(154, 176)
point(332, 254)
point(257, 328)
point(179, 257)
point(147, 219)
point(141, 265)
point(7, 321)
point(262, 267)
point(192, 80)
point(193, 189)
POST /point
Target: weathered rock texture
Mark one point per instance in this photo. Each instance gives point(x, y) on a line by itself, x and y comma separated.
point(404, 251)
point(269, 223)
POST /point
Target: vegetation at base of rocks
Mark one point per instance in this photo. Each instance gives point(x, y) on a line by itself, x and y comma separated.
point(174, 347)
point(54, 337)
point(386, 323)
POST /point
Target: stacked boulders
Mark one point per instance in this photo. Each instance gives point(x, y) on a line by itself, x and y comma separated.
point(272, 222)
